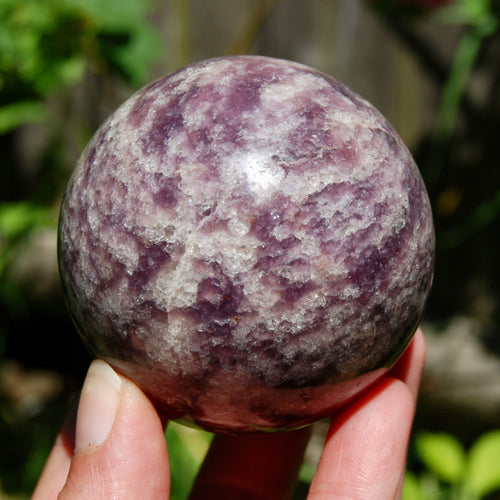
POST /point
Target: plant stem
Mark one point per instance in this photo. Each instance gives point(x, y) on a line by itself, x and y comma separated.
point(453, 92)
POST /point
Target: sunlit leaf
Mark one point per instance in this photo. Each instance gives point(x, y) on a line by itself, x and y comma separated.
point(18, 113)
point(15, 218)
point(306, 473)
point(186, 448)
point(442, 454)
point(135, 58)
point(130, 54)
point(45, 44)
point(411, 488)
point(112, 14)
point(483, 471)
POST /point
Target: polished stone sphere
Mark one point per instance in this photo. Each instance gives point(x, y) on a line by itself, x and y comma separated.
point(249, 241)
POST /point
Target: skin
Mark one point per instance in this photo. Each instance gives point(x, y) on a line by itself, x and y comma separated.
point(364, 453)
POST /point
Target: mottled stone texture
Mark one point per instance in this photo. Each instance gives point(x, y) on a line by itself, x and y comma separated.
point(248, 240)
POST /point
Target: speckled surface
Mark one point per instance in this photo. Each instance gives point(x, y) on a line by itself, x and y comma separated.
point(248, 240)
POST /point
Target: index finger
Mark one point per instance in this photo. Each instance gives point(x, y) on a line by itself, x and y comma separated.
point(364, 456)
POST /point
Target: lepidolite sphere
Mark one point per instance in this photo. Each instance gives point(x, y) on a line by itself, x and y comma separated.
point(249, 241)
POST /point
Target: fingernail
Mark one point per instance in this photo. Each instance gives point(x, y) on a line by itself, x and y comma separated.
point(98, 405)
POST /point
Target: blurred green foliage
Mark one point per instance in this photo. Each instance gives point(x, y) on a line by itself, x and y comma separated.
point(16, 220)
point(458, 158)
point(47, 44)
point(186, 450)
point(444, 470)
point(481, 21)
point(48, 47)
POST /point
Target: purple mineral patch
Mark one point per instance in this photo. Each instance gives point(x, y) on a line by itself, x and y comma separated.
point(249, 241)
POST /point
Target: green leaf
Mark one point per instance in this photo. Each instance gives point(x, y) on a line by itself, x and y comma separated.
point(306, 473)
point(124, 38)
point(16, 218)
point(186, 448)
point(469, 12)
point(411, 488)
point(112, 14)
point(135, 58)
point(475, 9)
point(19, 113)
point(483, 471)
point(72, 69)
point(443, 455)
point(63, 72)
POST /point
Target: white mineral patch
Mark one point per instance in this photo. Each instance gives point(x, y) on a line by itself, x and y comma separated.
point(260, 296)
point(262, 175)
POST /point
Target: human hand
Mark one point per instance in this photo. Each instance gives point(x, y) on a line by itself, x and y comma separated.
point(115, 448)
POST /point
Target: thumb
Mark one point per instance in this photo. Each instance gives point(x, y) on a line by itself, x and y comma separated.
point(120, 449)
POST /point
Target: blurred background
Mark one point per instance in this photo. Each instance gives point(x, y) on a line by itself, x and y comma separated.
point(432, 67)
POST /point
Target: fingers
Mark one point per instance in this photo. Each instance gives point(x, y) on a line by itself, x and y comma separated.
point(411, 364)
point(120, 450)
point(251, 466)
point(364, 456)
point(57, 466)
